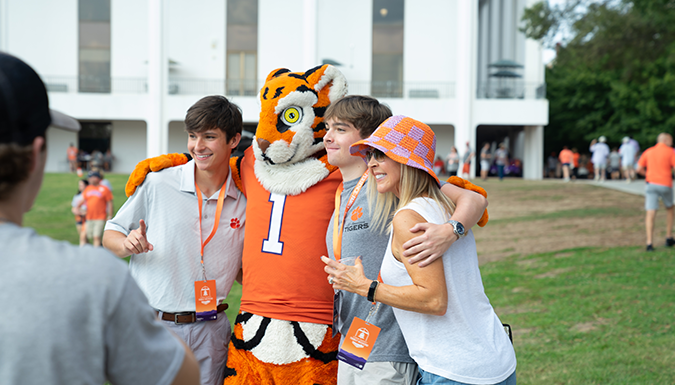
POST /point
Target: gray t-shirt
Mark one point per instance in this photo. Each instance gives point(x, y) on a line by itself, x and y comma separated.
point(75, 316)
point(358, 239)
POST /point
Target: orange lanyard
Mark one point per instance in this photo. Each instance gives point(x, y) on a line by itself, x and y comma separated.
point(337, 229)
point(219, 209)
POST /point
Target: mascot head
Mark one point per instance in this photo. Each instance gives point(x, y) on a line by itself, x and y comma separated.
point(288, 144)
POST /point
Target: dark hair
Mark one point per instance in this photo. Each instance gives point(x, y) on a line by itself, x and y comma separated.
point(86, 183)
point(215, 111)
point(364, 112)
point(15, 164)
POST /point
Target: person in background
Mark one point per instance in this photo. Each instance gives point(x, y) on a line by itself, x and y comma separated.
point(80, 211)
point(501, 159)
point(599, 153)
point(99, 201)
point(552, 165)
point(439, 165)
point(84, 319)
point(656, 164)
point(627, 152)
point(575, 163)
point(451, 330)
point(108, 161)
point(466, 161)
point(485, 161)
point(566, 160)
point(614, 163)
point(71, 154)
point(453, 161)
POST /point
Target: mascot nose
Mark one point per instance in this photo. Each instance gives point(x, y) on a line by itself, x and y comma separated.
point(263, 144)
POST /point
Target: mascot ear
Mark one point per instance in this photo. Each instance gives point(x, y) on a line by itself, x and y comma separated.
point(276, 73)
point(327, 81)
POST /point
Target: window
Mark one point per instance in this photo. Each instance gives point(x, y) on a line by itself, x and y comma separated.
point(242, 47)
point(387, 71)
point(94, 45)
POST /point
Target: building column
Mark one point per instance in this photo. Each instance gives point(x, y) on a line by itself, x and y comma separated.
point(533, 159)
point(158, 68)
point(467, 32)
point(309, 27)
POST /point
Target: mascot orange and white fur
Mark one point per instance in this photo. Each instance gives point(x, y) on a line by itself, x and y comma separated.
point(282, 334)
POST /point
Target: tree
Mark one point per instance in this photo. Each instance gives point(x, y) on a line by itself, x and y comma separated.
point(614, 74)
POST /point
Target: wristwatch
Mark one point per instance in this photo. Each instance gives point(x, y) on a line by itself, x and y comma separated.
point(457, 228)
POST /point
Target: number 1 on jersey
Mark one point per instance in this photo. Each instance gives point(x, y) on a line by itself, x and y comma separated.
point(271, 244)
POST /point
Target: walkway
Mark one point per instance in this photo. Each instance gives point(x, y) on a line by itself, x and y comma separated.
point(636, 187)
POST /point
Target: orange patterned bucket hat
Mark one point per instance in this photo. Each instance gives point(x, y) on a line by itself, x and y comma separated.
point(404, 140)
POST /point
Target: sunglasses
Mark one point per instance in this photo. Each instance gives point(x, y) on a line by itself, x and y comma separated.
point(377, 154)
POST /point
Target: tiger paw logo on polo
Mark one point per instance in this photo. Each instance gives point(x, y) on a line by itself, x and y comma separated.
point(234, 223)
point(356, 214)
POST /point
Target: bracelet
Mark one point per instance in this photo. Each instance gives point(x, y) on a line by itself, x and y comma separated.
point(371, 291)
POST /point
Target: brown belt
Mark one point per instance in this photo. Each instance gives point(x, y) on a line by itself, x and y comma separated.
point(188, 317)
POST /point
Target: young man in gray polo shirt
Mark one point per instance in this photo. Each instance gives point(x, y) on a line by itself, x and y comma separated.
point(349, 120)
point(185, 225)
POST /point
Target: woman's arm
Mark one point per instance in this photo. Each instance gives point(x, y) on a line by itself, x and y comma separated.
point(428, 294)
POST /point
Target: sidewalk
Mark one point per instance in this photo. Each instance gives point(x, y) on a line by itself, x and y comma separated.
point(636, 187)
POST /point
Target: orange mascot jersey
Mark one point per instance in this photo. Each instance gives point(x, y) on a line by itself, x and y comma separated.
point(285, 239)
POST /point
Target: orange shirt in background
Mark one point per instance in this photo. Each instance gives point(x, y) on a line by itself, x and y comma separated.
point(575, 159)
point(566, 156)
point(97, 197)
point(659, 162)
point(72, 153)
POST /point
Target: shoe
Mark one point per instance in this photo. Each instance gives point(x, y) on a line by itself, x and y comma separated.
point(670, 242)
point(650, 248)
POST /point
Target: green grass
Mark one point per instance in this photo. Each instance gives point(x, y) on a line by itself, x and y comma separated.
point(589, 316)
point(580, 316)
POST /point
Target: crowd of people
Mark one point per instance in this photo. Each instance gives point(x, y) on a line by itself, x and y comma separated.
point(599, 163)
point(80, 160)
point(145, 324)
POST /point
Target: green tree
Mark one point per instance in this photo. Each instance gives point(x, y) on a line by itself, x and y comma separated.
point(614, 73)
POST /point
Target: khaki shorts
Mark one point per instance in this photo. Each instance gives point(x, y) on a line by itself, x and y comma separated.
point(95, 228)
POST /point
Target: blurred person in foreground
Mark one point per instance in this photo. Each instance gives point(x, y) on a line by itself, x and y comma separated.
point(656, 164)
point(90, 323)
point(451, 330)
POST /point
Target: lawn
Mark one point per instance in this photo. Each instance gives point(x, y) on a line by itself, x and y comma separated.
point(589, 315)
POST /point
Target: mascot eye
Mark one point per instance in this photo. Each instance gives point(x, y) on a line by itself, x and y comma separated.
point(292, 115)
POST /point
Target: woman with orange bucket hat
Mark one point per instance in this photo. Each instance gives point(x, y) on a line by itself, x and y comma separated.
point(451, 330)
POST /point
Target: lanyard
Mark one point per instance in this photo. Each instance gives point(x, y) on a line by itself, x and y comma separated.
point(219, 209)
point(337, 229)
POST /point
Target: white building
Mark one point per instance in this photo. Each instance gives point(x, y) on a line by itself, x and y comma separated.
point(130, 69)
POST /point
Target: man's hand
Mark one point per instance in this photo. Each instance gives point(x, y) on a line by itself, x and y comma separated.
point(429, 246)
point(137, 242)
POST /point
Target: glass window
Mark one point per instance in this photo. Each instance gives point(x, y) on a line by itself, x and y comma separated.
point(387, 70)
point(242, 47)
point(94, 45)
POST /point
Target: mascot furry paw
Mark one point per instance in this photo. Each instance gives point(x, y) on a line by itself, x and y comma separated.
point(282, 334)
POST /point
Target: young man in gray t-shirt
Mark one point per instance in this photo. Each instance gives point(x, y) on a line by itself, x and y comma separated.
point(73, 315)
point(349, 120)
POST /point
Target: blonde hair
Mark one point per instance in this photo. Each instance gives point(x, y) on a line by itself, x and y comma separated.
point(414, 183)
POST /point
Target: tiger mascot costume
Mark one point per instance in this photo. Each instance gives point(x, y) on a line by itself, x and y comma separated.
point(282, 334)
